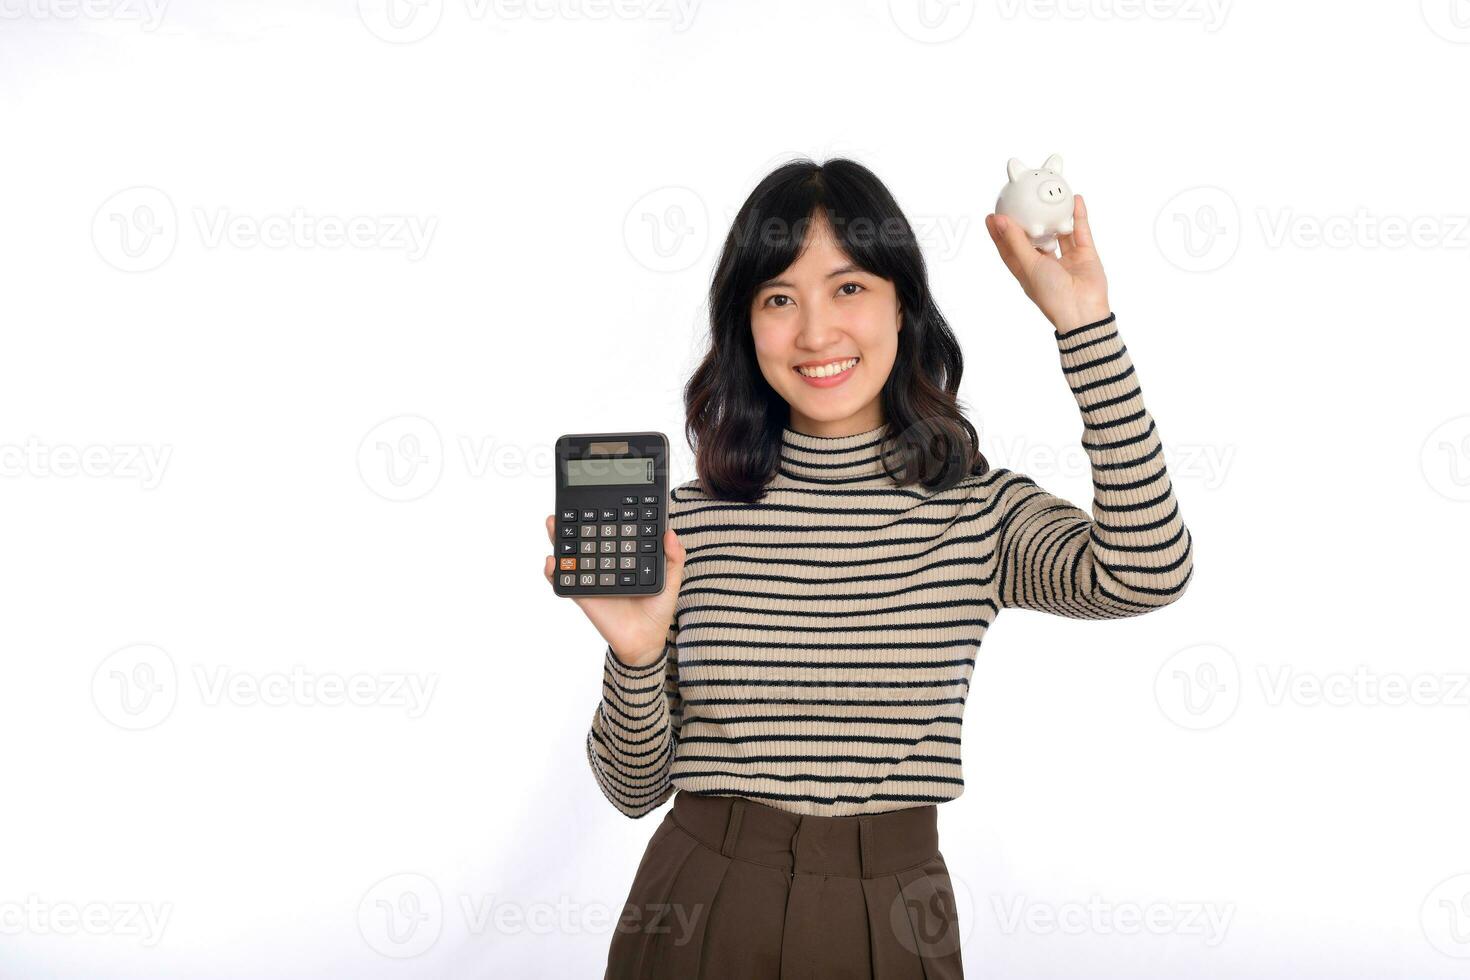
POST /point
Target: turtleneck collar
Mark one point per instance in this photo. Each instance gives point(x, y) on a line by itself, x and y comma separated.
point(833, 459)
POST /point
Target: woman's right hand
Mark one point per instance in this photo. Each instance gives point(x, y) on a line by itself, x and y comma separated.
point(637, 626)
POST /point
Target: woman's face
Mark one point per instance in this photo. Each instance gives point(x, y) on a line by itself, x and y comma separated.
point(825, 312)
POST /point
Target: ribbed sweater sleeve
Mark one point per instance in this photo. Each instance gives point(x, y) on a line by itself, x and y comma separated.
point(1133, 553)
point(635, 730)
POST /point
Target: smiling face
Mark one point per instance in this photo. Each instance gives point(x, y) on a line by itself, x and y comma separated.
point(826, 334)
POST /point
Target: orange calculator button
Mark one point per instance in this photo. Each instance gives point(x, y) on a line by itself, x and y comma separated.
point(569, 564)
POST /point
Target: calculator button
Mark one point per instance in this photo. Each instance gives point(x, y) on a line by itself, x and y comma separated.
point(607, 547)
point(587, 578)
point(609, 531)
point(606, 562)
point(587, 563)
point(568, 580)
point(648, 545)
point(627, 578)
point(607, 578)
point(589, 515)
point(569, 515)
point(650, 499)
point(567, 547)
point(629, 531)
point(630, 500)
point(628, 546)
point(630, 513)
point(627, 562)
point(568, 564)
point(609, 514)
point(588, 547)
point(650, 514)
point(569, 530)
point(648, 530)
point(645, 571)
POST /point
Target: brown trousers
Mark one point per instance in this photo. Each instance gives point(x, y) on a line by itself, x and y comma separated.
point(733, 889)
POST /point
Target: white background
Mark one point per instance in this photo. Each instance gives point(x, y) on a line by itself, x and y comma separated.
point(351, 447)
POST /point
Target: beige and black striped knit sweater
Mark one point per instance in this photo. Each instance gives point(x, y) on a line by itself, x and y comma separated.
point(824, 636)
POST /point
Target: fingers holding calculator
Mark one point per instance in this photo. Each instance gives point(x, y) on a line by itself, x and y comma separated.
point(635, 626)
point(615, 554)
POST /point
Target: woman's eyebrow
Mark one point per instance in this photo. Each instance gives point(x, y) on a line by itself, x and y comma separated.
point(844, 270)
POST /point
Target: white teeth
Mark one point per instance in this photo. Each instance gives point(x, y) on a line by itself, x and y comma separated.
point(827, 370)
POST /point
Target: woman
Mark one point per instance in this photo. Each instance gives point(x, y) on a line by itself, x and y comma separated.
point(798, 686)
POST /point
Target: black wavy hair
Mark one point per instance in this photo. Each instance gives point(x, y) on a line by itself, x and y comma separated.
point(734, 418)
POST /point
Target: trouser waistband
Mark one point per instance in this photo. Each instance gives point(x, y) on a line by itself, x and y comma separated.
point(862, 846)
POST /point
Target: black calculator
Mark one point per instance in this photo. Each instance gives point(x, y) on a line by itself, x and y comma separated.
point(612, 491)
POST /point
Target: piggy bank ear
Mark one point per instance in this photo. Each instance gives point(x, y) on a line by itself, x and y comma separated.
point(1014, 169)
point(1053, 163)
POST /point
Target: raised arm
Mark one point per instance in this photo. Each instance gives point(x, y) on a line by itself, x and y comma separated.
point(1133, 554)
point(635, 730)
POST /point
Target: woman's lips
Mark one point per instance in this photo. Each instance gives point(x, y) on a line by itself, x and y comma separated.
point(831, 380)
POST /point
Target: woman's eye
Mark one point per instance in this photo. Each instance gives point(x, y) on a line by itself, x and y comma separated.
point(855, 285)
point(772, 299)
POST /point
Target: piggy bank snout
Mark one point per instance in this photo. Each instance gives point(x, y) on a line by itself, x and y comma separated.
point(1051, 191)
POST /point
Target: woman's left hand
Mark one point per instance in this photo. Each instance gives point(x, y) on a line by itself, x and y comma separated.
point(1072, 290)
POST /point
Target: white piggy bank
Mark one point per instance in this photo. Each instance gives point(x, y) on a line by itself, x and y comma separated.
point(1038, 200)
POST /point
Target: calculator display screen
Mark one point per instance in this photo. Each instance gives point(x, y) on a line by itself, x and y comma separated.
point(610, 471)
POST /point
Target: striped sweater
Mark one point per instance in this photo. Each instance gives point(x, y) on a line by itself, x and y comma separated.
point(824, 637)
